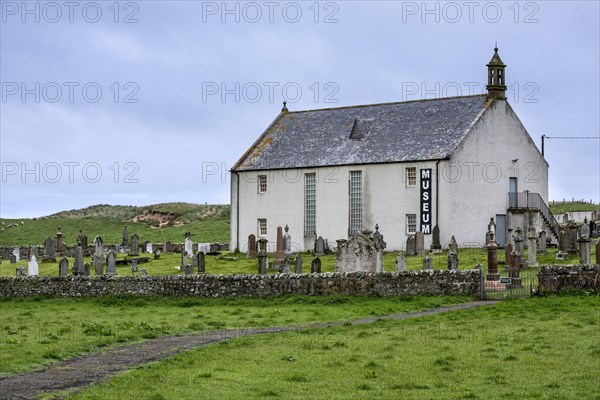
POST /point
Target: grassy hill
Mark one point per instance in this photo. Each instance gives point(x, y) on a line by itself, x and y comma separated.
point(157, 223)
point(561, 207)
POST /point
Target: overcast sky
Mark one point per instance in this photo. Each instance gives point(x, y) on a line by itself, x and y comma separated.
point(145, 102)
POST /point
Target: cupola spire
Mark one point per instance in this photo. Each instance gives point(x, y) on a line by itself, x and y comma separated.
point(496, 86)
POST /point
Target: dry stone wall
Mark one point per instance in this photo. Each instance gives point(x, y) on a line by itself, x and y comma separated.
point(465, 282)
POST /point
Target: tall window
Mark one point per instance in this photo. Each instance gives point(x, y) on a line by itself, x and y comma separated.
point(355, 202)
point(411, 176)
point(262, 184)
point(411, 223)
point(310, 204)
point(262, 227)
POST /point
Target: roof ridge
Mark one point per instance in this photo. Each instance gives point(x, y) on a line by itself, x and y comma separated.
point(388, 103)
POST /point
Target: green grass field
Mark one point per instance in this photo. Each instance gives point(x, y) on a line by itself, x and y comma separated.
point(39, 331)
point(561, 207)
point(538, 348)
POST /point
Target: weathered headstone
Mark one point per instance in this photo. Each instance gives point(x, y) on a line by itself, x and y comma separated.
point(32, 266)
point(157, 254)
point(435, 241)
point(278, 256)
point(492, 259)
point(143, 273)
point(584, 250)
point(84, 245)
point(584, 231)
point(17, 253)
point(420, 243)
point(188, 269)
point(194, 260)
point(262, 256)
point(491, 228)
point(86, 269)
point(319, 248)
point(519, 246)
point(287, 242)
point(149, 248)
point(563, 240)
point(453, 247)
point(532, 238)
point(598, 252)
point(59, 243)
point(168, 247)
point(410, 246)
point(111, 263)
point(78, 262)
point(298, 264)
point(541, 248)
point(356, 255)
point(452, 261)
point(134, 266)
point(184, 258)
point(188, 245)
point(285, 265)
point(135, 246)
point(400, 262)
point(63, 267)
point(315, 266)
point(427, 263)
point(201, 262)
point(49, 250)
point(21, 272)
point(13, 259)
point(99, 266)
point(125, 236)
point(508, 248)
point(251, 253)
point(34, 251)
point(379, 245)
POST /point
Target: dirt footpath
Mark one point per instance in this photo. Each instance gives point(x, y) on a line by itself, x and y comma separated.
point(79, 372)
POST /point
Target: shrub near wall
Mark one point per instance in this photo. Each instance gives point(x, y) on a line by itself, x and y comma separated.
point(465, 282)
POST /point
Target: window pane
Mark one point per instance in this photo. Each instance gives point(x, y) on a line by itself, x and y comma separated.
point(355, 202)
point(262, 183)
point(310, 204)
point(262, 227)
point(411, 223)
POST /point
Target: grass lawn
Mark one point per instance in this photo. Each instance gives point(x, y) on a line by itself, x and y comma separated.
point(40, 331)
point(538, 348)
point(168, 263)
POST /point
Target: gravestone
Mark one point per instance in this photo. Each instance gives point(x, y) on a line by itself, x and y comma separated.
point(168, 247)
point(585, 247)
point(13, 259)
point(542, 242)
point(561, 255)
point(99, 266)
point(32, 266)
point(491, 228)
point(86, 269)
point(49, 250)
point(21, 272)
point(492, 259)
point(134, 266)
point(452, 262)
point(427, 263)
point(63, 267)
point(194, 260)
point(508, 249)
point(519, 246)
point(285, 265)
point(572, 246)
point(205, 247)
point(34, 251)
point(17, 253)
point(143, 273)
point(251, 253)
point(380, 245)
point(584, 231)
point(453, 247)
point(188, 269)
point(157, 254)
point(298, 264)
point(598, 252)
point(420, 243)
point(135, 245)
point(125, 236)
point(84, 245)
point(78, 263)
point(435, 241)
point(59, 243)
point(563, 240)
point(315, 266)
point(356, 255)
point(532, 238)
point(400, 262)
point(149, 248)
point(565, 218)
point(319, 247)
point(287, 242)
point(201, 262)
point(410, 246)
point(111, 264)
point(278, 256)
point(262, 256)
point(184, 258)
point(188, 245)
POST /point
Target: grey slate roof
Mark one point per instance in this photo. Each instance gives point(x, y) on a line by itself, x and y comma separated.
point(391, 132)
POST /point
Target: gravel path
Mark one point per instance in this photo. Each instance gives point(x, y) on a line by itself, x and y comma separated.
point(76, 373)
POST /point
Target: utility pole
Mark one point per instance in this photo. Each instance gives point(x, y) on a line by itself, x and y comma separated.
point(543, 137)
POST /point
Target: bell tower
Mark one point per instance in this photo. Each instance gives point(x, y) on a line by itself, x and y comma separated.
point(496, 86)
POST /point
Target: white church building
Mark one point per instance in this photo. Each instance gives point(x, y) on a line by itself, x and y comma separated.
point(443, 167)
